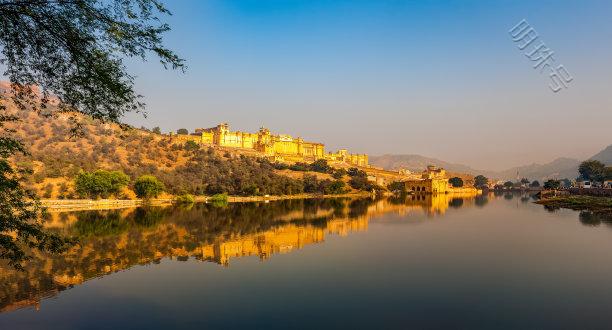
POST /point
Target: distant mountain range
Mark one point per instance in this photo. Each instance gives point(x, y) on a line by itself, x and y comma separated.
point(558, 168)
point(604, 156)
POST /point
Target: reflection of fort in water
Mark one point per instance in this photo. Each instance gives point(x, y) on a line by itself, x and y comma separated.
point(116, 240)
point(278, 240)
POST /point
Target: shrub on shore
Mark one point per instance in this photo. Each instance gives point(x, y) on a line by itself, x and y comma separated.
point(185, 199)
point(147, 186)
point(326, 186)
point(218, 200)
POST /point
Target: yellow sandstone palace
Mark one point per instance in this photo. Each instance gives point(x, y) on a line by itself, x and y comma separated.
point(435, 181)
point(280, 146)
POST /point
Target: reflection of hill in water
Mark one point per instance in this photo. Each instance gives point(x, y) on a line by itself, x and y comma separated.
point(118, 239)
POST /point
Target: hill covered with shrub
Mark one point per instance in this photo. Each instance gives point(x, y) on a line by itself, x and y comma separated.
point(58, 157)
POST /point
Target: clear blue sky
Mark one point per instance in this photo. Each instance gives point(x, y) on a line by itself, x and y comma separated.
point(437, 78)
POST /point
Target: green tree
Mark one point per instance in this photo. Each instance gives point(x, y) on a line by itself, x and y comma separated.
point(354, 171)
point(566, 183)
point(147, 186)
point(48, 191)
point(592, 170)
point(480, 181)
point(20, 213)
point(182, 131)
point(508, 184)
point(608, 173)
point(299, 166)
point(525, 181)
point(456, 182)
point(534, 184)
point(398, 186)
point(552, 184)
point(359, 179)
point(156, 130)
point(100, 183)
point(72, 52)
point(338, 173)
point(191, 145)
point(336, 187)
point(320, 165)
point(311, 184)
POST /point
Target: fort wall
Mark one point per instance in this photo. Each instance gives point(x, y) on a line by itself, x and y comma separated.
point(281, 147)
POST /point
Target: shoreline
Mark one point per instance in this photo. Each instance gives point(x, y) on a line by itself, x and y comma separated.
point(68, 205)
point(579, 203)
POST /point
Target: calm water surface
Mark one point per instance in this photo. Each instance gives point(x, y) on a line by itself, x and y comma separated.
point(426, 262)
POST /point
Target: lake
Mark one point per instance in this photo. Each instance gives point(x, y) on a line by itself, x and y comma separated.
point(493, 261)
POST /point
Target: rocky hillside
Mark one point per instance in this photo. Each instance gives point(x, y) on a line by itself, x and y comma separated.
point(57, 156)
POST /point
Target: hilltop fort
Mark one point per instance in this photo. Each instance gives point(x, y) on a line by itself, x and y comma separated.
point(280, 147)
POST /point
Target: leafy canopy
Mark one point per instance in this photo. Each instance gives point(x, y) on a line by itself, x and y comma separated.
point(73, 51)
point(69, 53)
point(552, 184)
point(100, 183)
point(19, 213)
point(593, 170)
point(480, 180)
point(456, 182)
point(147, 186)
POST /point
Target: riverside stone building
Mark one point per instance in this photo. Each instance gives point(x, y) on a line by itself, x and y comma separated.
point(435, 181)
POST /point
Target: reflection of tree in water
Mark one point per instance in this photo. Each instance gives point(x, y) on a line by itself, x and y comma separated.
point(114, 240)
point(398, 199)
point(456, 203)
point(525, 198)
point(509, 196)
point(481, 200)
point(112, 222)
point(551, 208)
point(595, 218)
point(339, 206)
point(149, 216)
point(99, 223)
point(359, 207)
point(588, 218)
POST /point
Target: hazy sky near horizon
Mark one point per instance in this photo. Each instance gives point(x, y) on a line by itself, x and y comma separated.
point(437, 78)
